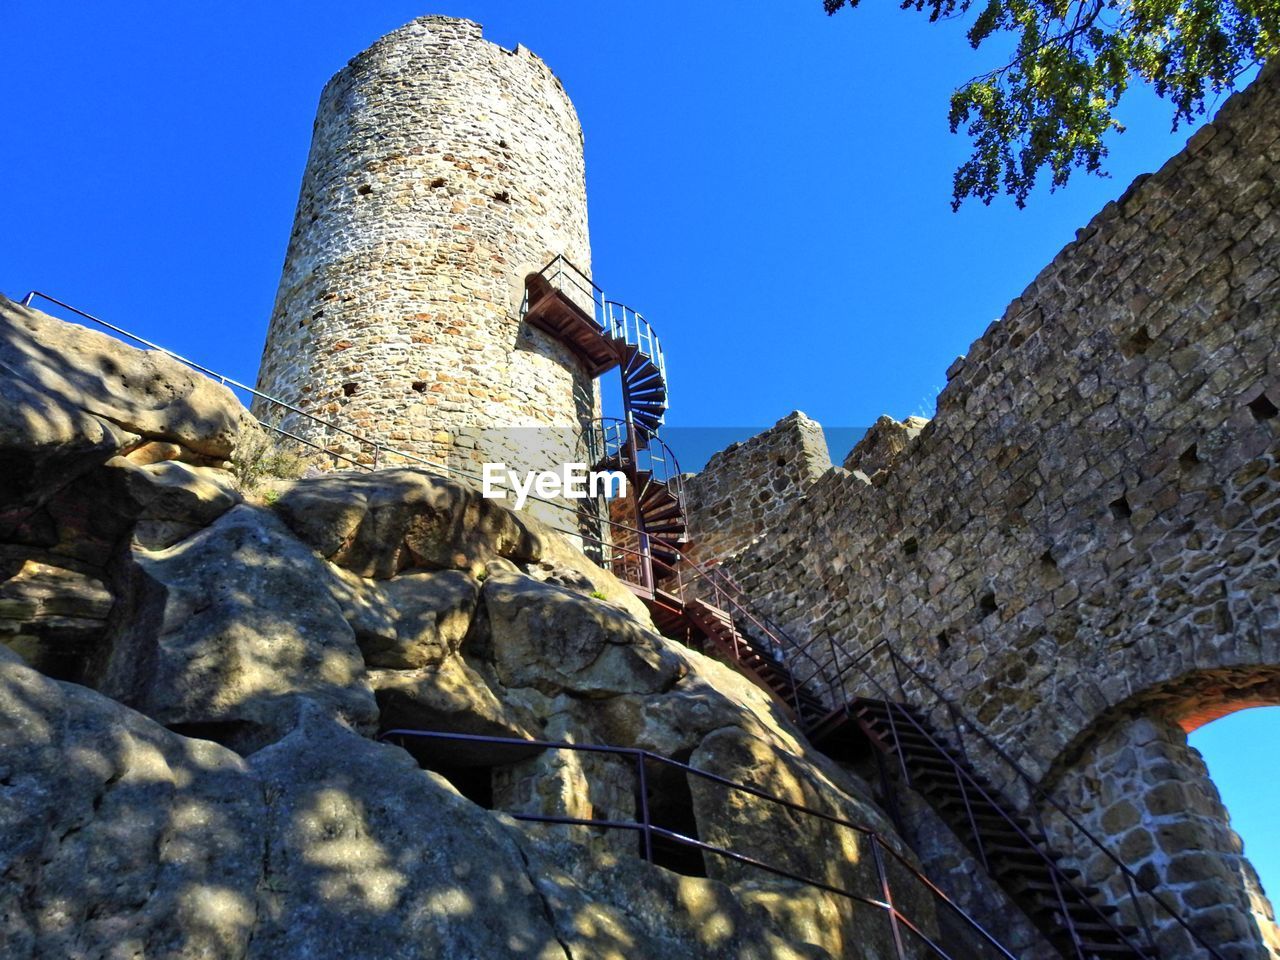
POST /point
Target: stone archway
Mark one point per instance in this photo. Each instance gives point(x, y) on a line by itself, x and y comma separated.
point(1132, 779)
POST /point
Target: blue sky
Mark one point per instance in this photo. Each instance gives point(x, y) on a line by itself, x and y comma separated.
point(768, 185)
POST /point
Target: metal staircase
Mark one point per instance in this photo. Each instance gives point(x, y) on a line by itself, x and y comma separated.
point(655, 483)
point(644, 371)
point(563, 301)
point(1008, 845)
point(1008, 842)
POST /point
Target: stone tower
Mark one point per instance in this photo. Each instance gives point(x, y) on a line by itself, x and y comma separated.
point(443, 170)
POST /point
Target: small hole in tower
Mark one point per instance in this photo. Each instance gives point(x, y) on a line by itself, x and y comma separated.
point(1120, 508)
point(349, 389)
point(419, 386)
point(503, 144)
point(1189, 457)
point(987, 605)
point(1138, 343)
point(502, 196)
point(911, 546)
point(437, 183)
point(944, 642)
point(364, 189)
point(780, 462)
point(1047, 561)
point(1262, 408)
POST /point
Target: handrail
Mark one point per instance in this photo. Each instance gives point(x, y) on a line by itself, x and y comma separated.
point(1036, 790)
point(611, 436)
point(378, 447)
point(648, 829)
point(629, 325)
point(615, 321)
point(836, 686)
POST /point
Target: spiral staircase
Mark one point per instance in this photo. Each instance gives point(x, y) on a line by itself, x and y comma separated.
point(650, 528)
point(643, 541)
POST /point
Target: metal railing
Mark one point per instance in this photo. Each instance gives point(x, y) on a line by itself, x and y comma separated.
point(832, 677)
point(610, 438)
point(630, 327)
point(615, 319)
point(379, 451)
point(577, 287)
point(1148, 906)
point(886, 860)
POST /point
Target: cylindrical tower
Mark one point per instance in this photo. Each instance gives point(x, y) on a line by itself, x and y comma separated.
point(443, 170)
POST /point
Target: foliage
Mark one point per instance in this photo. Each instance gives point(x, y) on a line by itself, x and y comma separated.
point(261, 456)
point(1052, 103)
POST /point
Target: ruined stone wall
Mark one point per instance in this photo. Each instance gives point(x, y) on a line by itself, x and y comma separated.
point(745, 488)
point(443, 170)
point(1091, 520)
point(1143, 790)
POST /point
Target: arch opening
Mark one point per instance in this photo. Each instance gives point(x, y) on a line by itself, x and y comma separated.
point(1136, 782)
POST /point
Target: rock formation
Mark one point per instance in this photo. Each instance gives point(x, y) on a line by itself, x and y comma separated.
point(192, 680)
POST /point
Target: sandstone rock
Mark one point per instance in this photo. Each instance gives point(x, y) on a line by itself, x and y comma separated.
point(117, 837)
point(153, 451)
point(420, 618)
point(257, 627)
point(449, 697)
point(801, 844)
point(172, 500)
point(707, 696)
point(562, 563)
point(368, 856)
point(53, 616)
point(553, 639)
point(142, 392)
point(382, 524)
point(229, 628)
point(379, 524)
point(45, 442)
point(619, 908)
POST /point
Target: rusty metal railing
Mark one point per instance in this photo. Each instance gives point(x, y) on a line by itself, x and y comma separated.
point(883, 854)
point(1137, 892)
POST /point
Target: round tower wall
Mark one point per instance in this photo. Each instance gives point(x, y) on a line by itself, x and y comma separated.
point(443, 169)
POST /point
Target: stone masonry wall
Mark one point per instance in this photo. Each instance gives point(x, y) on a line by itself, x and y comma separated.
point(1091, 521)
point(443, 170)
point(1147, 793)
point(744, 489)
